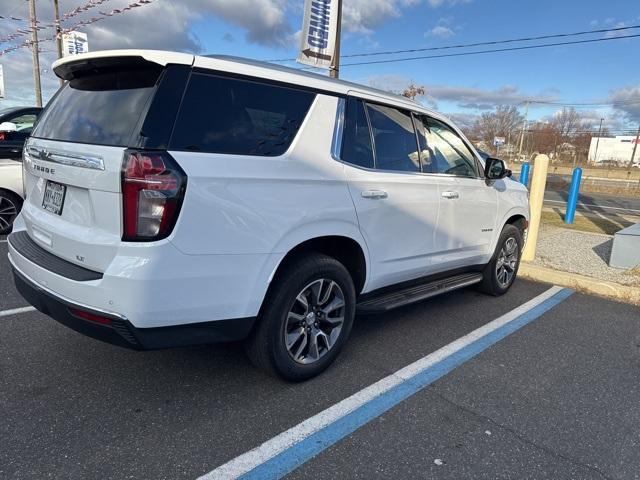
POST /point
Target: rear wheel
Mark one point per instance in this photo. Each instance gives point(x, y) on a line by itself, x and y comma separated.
point(501, 271)
point(10, 205)
point(306, 319)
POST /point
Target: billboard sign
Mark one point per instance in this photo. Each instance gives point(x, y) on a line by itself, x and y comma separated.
point(318, 36)
point(498, 141)
point(74, 43)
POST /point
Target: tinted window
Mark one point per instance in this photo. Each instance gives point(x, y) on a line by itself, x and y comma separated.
point(394, 139)
point(225, 115)
point(449, 154)
point(102, 109)
point(24, 123)
point(356, 143)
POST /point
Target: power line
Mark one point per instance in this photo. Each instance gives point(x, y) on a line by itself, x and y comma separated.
point(476, 44)
point(479, 52)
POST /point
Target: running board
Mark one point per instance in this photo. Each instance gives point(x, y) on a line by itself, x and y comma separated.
point(400, 298)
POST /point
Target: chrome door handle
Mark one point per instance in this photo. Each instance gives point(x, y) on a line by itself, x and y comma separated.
point(450, 195)
point(374, 194)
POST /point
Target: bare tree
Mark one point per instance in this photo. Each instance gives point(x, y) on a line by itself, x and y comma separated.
point(505, 121)
point(413, 91)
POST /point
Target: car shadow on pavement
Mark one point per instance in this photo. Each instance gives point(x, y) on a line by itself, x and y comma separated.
point(603, 250)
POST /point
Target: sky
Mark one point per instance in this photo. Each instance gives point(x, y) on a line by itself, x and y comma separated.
point(462, 87)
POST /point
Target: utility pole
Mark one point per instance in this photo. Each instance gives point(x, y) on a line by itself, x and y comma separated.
point(334, 68)
point(56, 14)
point(595, 155)
point(635, 146)
point(34, 51)
point(524, 124)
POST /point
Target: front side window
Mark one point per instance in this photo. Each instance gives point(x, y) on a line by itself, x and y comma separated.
point(356, 143)
point(394, 139)
point(448, 153)
point(242, 117)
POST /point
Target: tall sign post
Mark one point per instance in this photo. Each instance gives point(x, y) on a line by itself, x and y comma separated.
point(320, 38)
point(1, 82)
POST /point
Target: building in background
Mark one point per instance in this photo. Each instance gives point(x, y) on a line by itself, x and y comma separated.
point(612, 150)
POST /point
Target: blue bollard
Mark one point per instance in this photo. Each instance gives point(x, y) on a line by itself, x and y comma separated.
point(524, 174)
point(574, 193)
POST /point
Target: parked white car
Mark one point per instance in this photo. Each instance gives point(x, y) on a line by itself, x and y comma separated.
point(10, 193)
point(174, 200)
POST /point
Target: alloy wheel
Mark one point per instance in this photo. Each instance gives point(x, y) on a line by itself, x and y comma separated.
point(507, 262)
point(314, 321)
point(8, 212)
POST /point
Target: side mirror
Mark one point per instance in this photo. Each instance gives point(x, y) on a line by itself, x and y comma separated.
point(8, 127)
point(495, 169)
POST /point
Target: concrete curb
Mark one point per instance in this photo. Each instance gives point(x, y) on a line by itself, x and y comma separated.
point(581, 283)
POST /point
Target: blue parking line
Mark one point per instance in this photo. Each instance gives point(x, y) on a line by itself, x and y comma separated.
point(314, 444)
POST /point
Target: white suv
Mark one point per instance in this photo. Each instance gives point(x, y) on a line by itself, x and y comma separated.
point(173, 200)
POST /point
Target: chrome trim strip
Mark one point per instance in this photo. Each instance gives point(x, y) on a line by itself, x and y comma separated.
point(66, 158)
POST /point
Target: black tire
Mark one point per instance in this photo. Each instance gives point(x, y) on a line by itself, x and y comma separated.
point(266, 345)
point(8, 199)
point(491, 284)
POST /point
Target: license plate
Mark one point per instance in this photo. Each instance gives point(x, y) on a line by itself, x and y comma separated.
point(54, 197)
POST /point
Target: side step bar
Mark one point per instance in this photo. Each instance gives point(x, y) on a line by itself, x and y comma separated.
point(400, 298)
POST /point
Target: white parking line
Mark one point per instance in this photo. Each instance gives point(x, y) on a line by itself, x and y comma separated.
point(15, 311)
point(288, 450)
point(3, 241)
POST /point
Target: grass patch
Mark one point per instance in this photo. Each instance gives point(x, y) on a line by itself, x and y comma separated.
point(585, 223)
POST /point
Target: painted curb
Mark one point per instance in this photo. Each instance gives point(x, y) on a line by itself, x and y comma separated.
point(581, 283)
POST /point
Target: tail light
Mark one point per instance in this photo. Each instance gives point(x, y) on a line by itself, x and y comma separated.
point(153, 187)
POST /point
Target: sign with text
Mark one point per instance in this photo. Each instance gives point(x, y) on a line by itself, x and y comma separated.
point(74, 43)
point(318, 37)
point(498, 141)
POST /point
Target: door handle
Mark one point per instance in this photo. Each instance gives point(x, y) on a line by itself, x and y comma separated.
point(374, 194)
point(450, 195)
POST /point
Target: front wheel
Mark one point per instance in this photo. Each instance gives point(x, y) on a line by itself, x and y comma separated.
point(501, 271)
point(306, 319)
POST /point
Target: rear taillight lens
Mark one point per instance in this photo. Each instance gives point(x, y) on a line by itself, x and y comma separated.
point(153, 187)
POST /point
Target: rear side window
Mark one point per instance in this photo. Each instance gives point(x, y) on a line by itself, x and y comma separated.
point(356, 144)
point(394, 139)
point(232, 116)
point(102, 108)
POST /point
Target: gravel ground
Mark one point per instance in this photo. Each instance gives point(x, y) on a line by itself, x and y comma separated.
point(580, 252)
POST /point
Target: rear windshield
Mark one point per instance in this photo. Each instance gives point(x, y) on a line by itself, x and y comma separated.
point(102, 108)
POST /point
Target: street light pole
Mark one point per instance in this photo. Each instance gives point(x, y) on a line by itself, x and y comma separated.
point(334, 68)
point(595, 155)
point(35, 52)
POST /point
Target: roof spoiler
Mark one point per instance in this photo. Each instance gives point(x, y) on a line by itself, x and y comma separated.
point(69, 67)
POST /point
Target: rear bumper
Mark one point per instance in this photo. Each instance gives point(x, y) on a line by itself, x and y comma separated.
point(122, 333)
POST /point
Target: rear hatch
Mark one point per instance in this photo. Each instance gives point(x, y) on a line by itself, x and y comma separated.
point(73, 161)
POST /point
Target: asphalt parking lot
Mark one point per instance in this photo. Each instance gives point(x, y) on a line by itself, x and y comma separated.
point(557, 398)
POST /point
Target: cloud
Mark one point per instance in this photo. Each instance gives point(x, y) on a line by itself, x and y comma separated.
point(164, 25)
point(441, 31)
point(480, 99)
point(472, 98)
point(439, 3)
point(626, 101)
point(363, 16)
